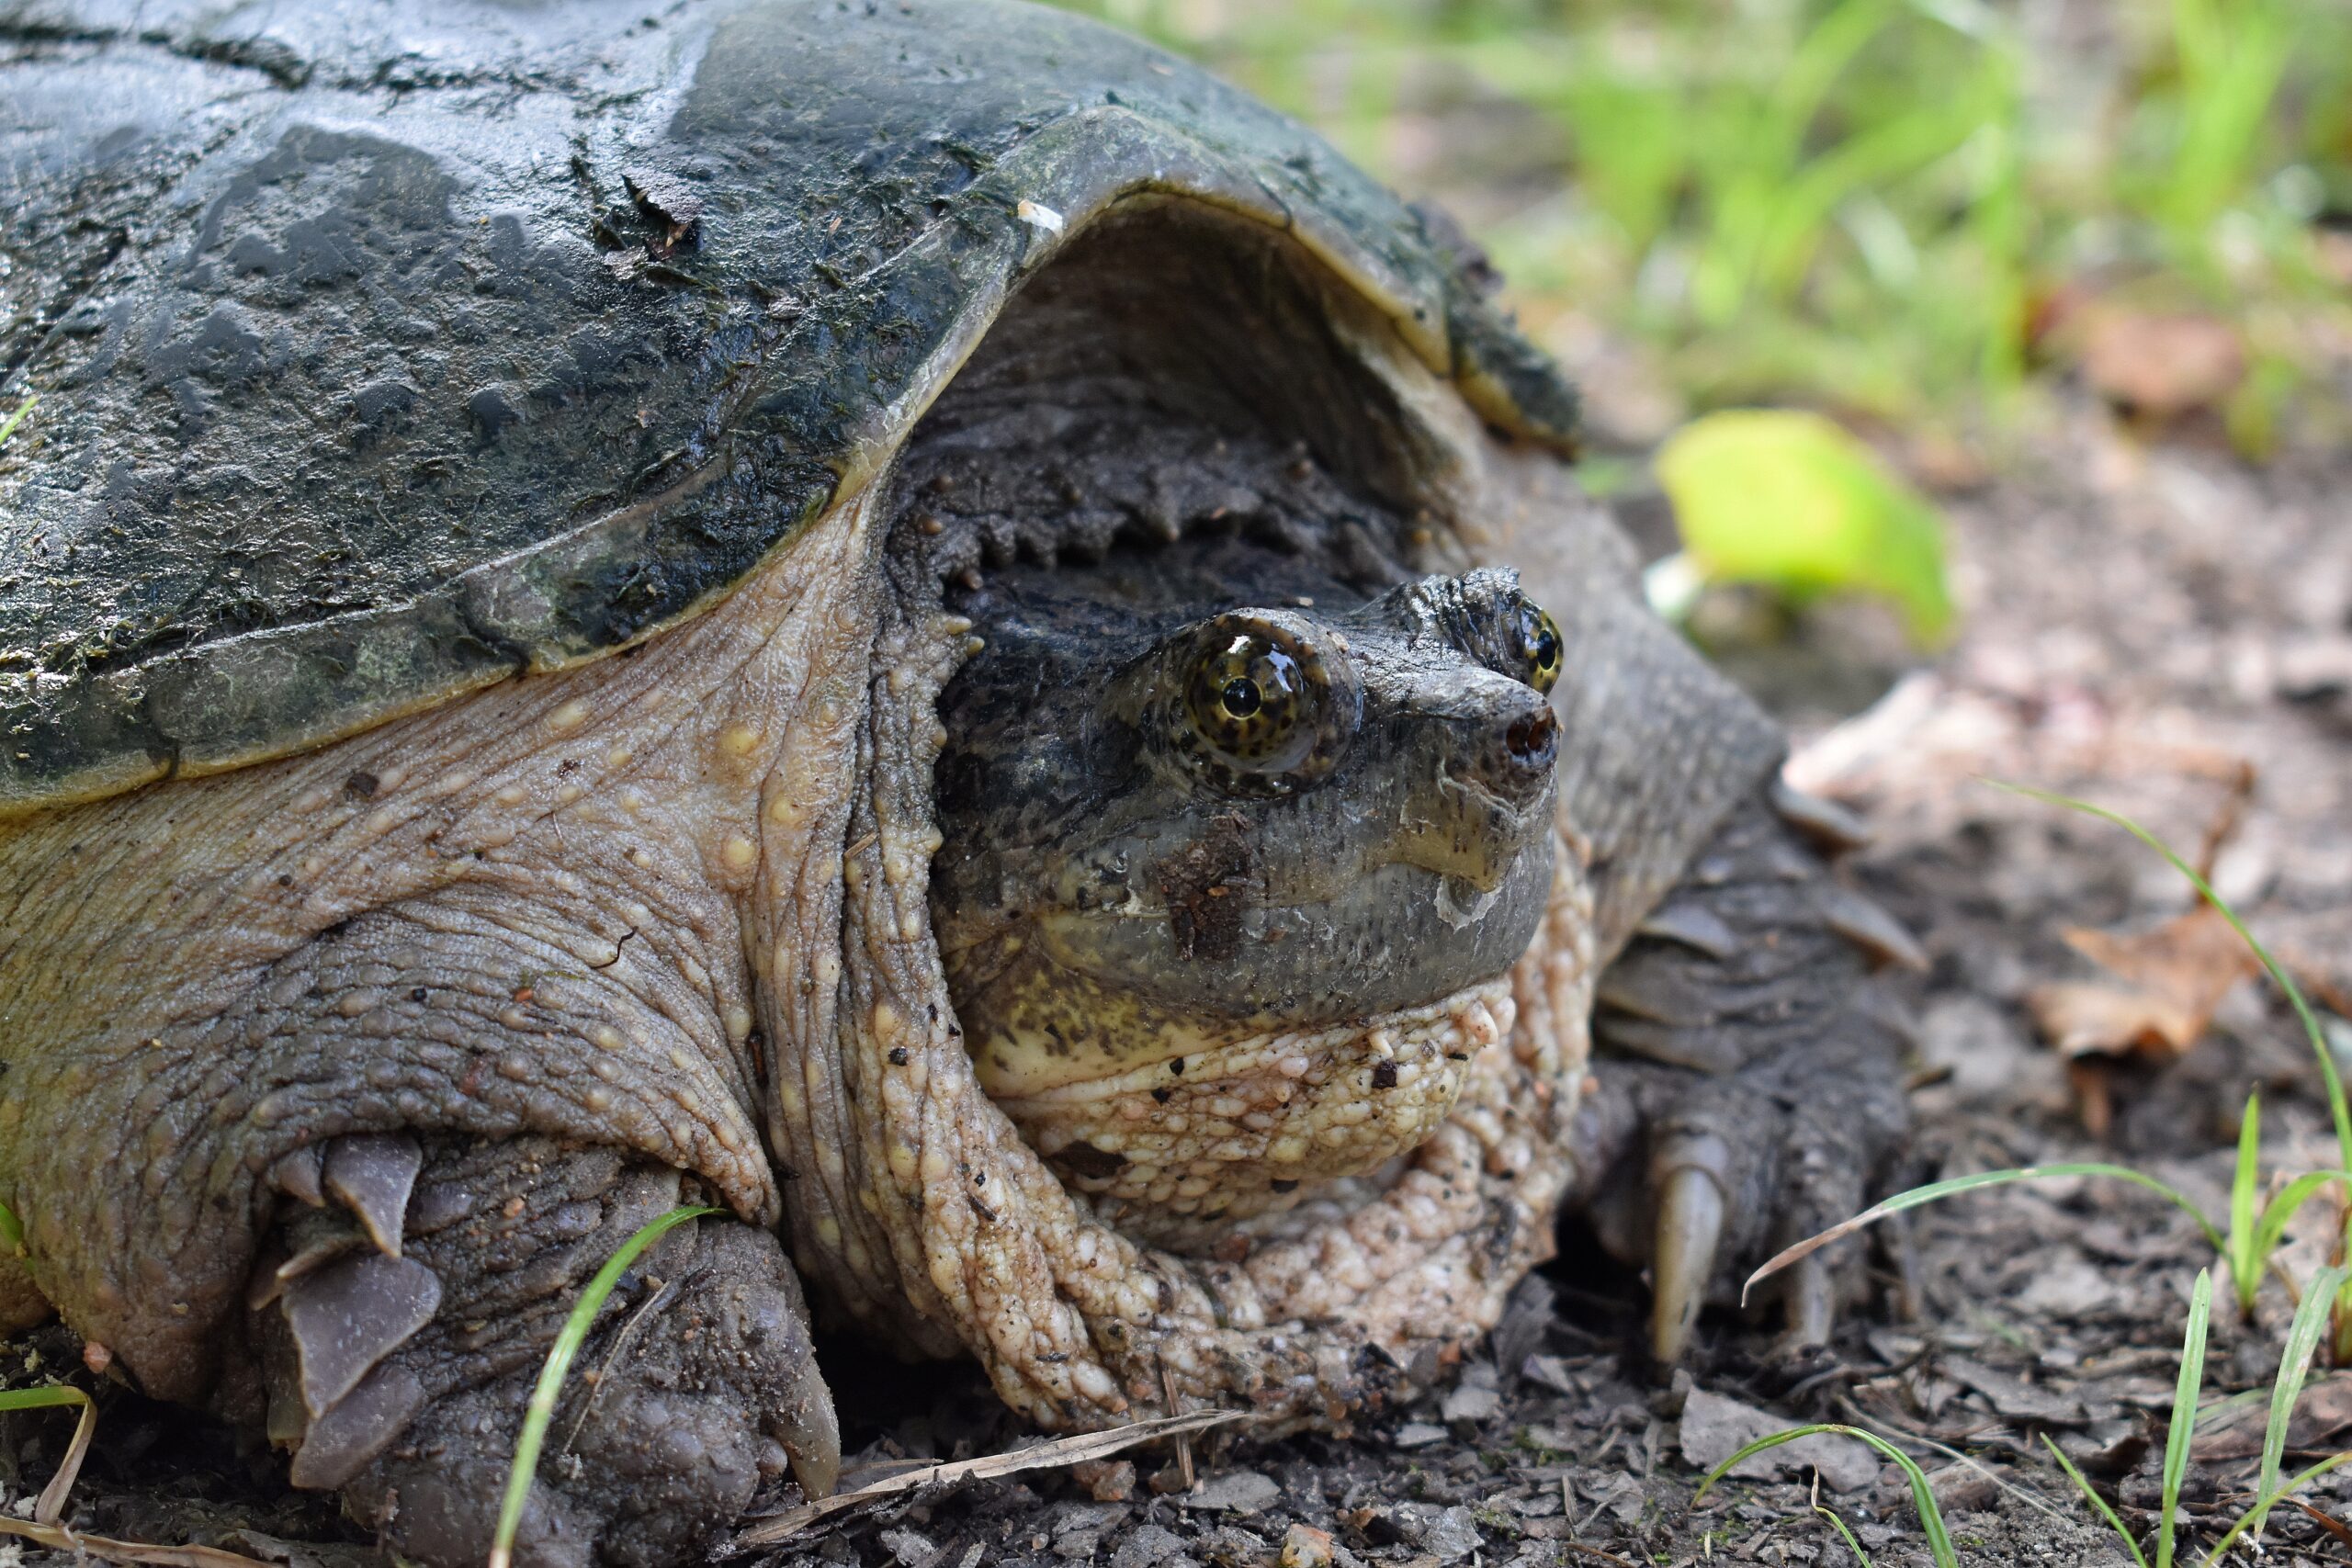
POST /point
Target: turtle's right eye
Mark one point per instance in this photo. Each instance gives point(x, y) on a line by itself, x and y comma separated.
point(1261, 703)
point(1247, 696)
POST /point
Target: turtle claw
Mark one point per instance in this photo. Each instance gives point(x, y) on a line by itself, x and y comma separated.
point(364, 1423)
point(1809, 1304)
point(402, 1377)
point(371, 1173)
point(345, 1318)
point(296, 1174)
point(1690, 1232)
point(1755, 1096)
point(1738, 1166)
point(811, 1435)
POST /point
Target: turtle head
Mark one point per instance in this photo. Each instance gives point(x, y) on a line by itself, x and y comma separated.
point(1270, 858)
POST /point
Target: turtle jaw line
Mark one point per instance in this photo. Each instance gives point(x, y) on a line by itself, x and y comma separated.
point(1180, 1150)
point(1482, 859)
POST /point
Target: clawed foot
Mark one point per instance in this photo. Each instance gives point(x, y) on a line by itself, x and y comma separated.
point(1713, 1176)
point(1755, 1097)
point(408, 1308)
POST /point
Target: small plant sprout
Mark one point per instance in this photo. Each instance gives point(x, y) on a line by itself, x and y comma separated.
point(17, 416)
point(540, 1412)
point(2183, 1424)
point(2255, 1229)
point(2338, 1110)
point(2255, 1234)
point(2294, 1366)
point(1922, 1497)
point(51, 1505)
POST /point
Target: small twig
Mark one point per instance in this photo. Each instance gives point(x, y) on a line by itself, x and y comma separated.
point(57, 1538)
point(2327, 1522)
point(604, 1369)
point(1074, 1449)
point(1183, 1444)
point(2227, 818)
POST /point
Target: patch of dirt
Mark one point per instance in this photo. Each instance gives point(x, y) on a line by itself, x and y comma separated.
point(2140, 624)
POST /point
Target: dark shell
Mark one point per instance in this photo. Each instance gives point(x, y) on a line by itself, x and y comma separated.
point(385, 350)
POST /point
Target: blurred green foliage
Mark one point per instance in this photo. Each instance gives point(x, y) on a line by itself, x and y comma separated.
point(1870, 204)
point(1787, 499)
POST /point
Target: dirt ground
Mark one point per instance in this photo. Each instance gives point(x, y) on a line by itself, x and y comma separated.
point(2142, 620)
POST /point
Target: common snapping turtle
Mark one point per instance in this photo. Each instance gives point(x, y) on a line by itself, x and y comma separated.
point(880, 614)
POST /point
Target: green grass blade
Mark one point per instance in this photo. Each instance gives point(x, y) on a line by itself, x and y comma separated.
point(1959, 1184)
point(12, 1232)
point(2281, 1209)
point(2230, 1537)
point(2184, 1411)
point(1922, 1497)
point(2294, 1366)
point(50, 1506)
point(2097, 1501)
point(8, 425)
point(41, 1398)
point(540, 1412)
point(2245, 1263)
point(2338, 1110)
point(1838, 1524)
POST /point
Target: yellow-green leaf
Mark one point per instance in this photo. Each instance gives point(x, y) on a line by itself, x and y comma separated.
point(1791, 501)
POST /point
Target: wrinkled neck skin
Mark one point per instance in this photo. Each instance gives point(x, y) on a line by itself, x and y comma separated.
point(1104, 414)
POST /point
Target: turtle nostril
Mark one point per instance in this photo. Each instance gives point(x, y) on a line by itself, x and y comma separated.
point(1534, 740)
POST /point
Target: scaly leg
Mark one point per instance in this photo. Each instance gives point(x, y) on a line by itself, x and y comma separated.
point(1752, 1095)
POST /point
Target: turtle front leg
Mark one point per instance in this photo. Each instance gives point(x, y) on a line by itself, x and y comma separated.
point(368, 1194)
point(1750, 1095)
point(406, 1308)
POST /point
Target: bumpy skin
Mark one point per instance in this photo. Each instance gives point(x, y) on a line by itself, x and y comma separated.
point(555, 731)
point(1200, 956)
point(513, 930)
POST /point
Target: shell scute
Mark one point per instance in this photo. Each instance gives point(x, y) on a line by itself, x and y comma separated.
point(355, 400)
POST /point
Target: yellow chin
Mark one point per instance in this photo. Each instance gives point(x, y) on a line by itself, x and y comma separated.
point(1036, 1026)
point(1247, 1126)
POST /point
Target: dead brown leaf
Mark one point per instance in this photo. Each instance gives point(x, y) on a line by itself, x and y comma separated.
point(2168, 983)
point(2157, 364)
point(2323, 1410)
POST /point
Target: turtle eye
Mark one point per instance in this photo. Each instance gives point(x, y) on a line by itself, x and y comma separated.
point(1257, 698)
point(1538, 645)
point(1247, 696)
